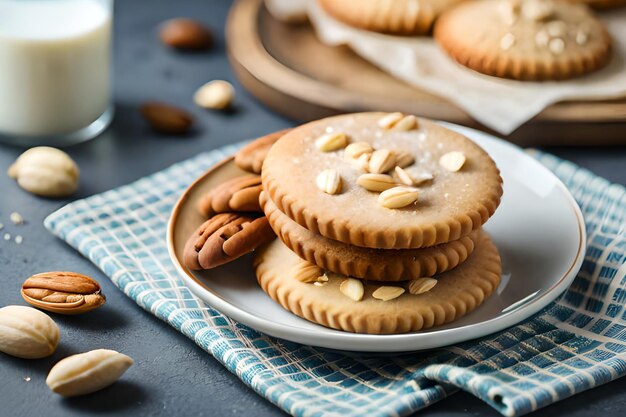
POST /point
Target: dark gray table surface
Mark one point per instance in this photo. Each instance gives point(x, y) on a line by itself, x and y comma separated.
point(171, 375)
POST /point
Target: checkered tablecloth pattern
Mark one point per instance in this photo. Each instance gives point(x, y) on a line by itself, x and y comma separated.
point(573, 345)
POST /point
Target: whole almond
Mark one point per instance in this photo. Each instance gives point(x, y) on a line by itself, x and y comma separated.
point(376, 182)
point(382, 161)
point(404, 159)
point(421, 285)
point(329, 181)
point(307, 272)
point(63, 292)
point(217, 95)
point(87, 372)
point(352, 288)
point(406, 123)
point(389, 120)
point(185, 33)
point(46, 171)
point(362, 163)
point(331, 142)
point(356, 149)
point(398, 197)
point(452, 161)
point(27, 333)
point(165, 118)
point(387, 293)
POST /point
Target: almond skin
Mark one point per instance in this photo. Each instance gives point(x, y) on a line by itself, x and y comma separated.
point(164, 118)
point(187, 34)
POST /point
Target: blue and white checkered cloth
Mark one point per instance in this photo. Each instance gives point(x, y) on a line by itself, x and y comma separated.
point(573, 345)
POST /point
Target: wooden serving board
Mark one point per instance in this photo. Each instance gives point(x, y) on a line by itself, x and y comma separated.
point(289, 70)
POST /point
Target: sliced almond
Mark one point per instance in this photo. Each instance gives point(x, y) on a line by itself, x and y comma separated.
point(404, 159)
point(388, 121)
point(421, 285)
point(329, 181)
point(376, 182)
point(452, 161)
point(322, 278)
point(404, 176)
point(306, 272)
point(398, 197)
point(356, 149)
point(331, 142)
point(382, 161)
point(411, 177)
point(352, 288)
point(319, 283)
point(406, 123)
point(386, 293)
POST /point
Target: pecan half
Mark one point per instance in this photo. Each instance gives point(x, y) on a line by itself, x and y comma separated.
point(63, 292)
point(237, 194)
point(250, 158)
point(223, 238)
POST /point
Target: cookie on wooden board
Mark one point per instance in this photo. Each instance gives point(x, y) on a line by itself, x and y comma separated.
point(351, 305)
point(532, 40)
point(399, 182)
point(367, 263)
point(397, 17)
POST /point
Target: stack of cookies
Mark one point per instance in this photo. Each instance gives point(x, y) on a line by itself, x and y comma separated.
point(378, 218)
point(379, 221)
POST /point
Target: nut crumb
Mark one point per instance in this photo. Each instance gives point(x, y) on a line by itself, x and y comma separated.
point(19, 239)
point(507, 41)
point(16, 218)
point(557, 46)
point(7, 236)
point(27, 378)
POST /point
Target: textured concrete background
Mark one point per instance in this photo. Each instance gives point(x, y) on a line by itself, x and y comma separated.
point(171, 375)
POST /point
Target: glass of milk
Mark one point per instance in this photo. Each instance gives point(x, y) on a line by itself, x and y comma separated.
point(54, 70)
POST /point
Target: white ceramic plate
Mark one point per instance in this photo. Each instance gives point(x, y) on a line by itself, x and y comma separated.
point(538, 229)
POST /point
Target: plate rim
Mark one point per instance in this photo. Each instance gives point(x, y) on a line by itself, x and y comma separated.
point(405, 342)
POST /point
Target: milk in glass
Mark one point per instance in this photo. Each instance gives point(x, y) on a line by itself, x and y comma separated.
point(54, 65)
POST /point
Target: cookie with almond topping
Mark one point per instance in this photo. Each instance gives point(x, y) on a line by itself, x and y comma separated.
point(449, 186)
point(352, 305)
point(533, 40)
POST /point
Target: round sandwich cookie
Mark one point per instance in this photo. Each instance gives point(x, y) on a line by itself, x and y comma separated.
point(382, 180)
point(353, 305)
point(533, 40)
point(367, 263)
point(601, 4)
point(396, 17)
